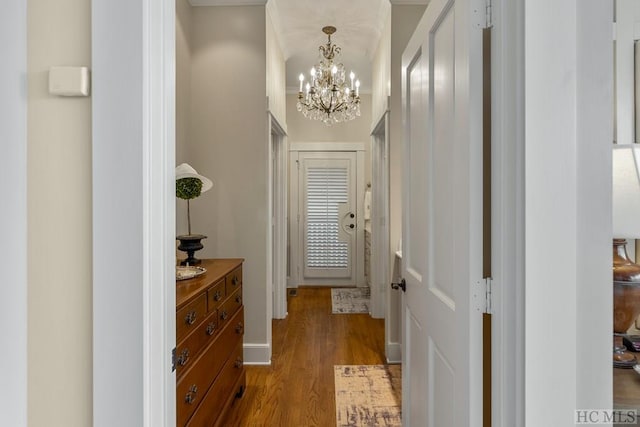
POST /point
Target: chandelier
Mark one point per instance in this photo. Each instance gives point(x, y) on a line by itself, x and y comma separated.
point(327, 96)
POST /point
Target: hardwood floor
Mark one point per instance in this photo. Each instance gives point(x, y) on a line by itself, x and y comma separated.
point(297, 390)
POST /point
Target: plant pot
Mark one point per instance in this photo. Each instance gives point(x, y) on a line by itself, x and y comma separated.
point(190, 243)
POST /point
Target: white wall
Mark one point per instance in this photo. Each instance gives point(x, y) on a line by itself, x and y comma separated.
point(183, 83)
point(381, 74)
point(13, 215)
point(301, 129)
point(627, 15)
point(183, 100)
point(59, 220)
point(404, 19)
point(228, 143)
point(276, 74)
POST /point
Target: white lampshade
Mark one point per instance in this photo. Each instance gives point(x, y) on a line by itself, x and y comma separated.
point(626, 191)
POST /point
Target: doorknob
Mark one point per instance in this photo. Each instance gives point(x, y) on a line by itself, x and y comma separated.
point(402, 285)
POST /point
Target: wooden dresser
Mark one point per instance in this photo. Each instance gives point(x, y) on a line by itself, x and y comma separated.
point(209, 330)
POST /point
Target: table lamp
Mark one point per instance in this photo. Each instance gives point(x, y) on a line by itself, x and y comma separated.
point(626, 224)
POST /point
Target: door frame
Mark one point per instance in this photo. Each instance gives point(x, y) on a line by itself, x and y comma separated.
point(508, 213)
point(567, 66)
point(13, 215)
point(513, 375)
point(295, 205)
point(277, 234)
point(133, 114)
point(380, 219)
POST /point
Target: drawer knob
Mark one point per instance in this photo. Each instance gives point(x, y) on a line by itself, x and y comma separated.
point(239, 328)
point(190, 397)
point(191, 317)
point(217, 296)
point(224, 315)
point(238, 363)
point(235, 280)
point(211, 328)
point(239, 299)
point(184, 357)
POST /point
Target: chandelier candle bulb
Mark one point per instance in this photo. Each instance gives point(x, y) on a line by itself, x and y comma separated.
point(301, 78)
point(353, 76)
point(357, 87)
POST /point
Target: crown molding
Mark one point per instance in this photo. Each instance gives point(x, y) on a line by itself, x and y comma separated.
point(408, 2)
point(227, 2)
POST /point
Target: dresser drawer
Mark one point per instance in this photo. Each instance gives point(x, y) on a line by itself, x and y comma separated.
point(189, 317)
point(188, 350)
point(229, 308)
point(234, 280)
point(216, 295)
point(196, 380)
point(220, 392)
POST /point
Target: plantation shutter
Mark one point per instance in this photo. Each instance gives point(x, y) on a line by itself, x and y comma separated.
point(326, 187)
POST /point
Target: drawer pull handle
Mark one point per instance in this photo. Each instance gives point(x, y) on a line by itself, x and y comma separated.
point(224, 315)
point(217, 296)
point(191, 317)
point(239, 328)
point(184, 357)
point(190, 397)
point(238, 363)
point(211, 328)
point(239, 299)
point(235, 281)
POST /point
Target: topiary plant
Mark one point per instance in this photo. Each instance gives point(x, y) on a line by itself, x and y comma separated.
point(187, 189)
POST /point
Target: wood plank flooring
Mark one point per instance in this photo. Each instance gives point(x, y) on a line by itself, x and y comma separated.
point(297, 390)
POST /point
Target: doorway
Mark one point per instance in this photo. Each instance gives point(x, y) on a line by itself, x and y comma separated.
point(380, 216)
point(327, 229)
point(278, 208)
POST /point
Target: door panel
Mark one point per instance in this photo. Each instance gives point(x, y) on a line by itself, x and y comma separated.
point(441, 194)
point(329, 217)
point(415, 240)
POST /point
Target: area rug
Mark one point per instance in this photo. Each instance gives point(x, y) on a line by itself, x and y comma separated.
point(350, 300)
point(368, 395)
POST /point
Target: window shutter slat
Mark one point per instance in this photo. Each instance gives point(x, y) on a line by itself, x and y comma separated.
point(326, 188)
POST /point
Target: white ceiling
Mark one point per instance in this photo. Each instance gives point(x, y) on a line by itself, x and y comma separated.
point(299, 23)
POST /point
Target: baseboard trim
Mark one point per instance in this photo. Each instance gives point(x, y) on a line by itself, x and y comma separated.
point(257, 354)
point(394, 352)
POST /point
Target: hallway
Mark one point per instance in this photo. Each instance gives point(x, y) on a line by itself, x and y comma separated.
point(298, 388)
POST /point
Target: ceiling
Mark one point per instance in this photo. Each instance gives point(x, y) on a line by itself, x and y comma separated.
point(298, 24)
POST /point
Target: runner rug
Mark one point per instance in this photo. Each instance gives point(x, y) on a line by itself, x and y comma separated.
point(350, 300)
point(368, 395)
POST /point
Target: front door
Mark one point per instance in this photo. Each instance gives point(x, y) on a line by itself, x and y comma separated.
point(329, 211)
point(442, 229)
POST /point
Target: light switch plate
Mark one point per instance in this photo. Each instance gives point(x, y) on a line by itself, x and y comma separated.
point(69, 81)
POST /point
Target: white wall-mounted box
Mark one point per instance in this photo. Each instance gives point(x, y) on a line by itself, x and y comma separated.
point(69, 81)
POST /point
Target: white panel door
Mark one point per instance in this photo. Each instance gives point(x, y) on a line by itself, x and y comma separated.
point(442, 210)
point(329, 217)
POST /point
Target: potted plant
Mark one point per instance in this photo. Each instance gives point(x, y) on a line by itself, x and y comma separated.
point(190, 185)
